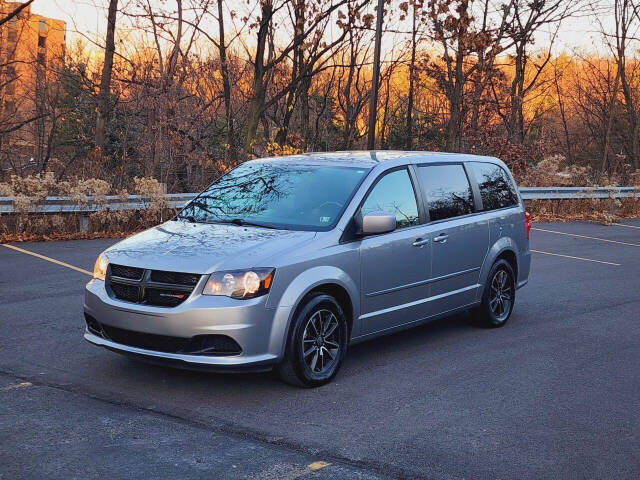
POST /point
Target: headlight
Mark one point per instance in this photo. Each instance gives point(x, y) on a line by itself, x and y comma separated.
point(240, 283)
point(100, 268)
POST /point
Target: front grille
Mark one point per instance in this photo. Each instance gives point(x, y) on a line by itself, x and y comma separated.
point(150, 287)
point(131, 273)
point(197, 345)
point(163, 297)
point(174, 277)
point(126, 292)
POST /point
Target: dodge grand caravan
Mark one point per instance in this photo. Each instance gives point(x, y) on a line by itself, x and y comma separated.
point(284, 262)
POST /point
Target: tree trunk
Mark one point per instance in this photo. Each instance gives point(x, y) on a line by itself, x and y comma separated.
point(478, 88)
point(385, 115)
point(373, 104)
point(305, 111)
point(515, 125)
point(412, 73)
point(456, 105)
point(607, 135)
point(105, 82)
point(454, 125)
point(563, 118)
point(256, 104)
point(296, 68)
point(226, 85)
point(173, 58)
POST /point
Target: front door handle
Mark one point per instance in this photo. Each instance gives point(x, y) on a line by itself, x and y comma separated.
point(442, 238)
point(420, 242)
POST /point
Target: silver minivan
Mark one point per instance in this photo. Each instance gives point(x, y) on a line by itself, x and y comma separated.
point(284, 262)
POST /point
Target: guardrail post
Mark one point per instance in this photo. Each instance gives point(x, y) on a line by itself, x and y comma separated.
point(613, 207)
point(84, 223)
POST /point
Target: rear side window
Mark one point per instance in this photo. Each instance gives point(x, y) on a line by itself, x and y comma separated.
point(496, 188)
point(447, 191)
point(394, 194)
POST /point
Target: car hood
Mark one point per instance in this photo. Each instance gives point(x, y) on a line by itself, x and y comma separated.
point(204, 248)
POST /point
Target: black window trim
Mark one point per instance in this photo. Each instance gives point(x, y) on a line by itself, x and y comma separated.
point(351, 231)
point(479, 201)
point(423, 211)
point(475, 187)
point(472, 184)
point(415, 194)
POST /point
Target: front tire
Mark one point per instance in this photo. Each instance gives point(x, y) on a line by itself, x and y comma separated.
point(317, 343)
point(498, 297)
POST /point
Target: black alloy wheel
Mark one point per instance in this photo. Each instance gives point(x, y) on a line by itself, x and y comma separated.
point(317, 343)
point(498, 297)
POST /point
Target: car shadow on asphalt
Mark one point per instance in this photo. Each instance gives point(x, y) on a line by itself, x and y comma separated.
point(391, 348)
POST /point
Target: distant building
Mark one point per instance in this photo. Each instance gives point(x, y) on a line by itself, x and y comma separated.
point(32, 49)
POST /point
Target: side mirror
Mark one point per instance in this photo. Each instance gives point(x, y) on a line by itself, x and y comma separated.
point(378, 222)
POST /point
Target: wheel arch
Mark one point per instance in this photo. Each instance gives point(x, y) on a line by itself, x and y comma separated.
point(510, 256)
point(323, 279)
point(338, 292)
point(505, 248)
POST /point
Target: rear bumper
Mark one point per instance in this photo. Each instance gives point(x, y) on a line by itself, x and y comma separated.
point(259, 331)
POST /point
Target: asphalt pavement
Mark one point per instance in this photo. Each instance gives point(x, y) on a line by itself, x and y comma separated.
point(553, 394)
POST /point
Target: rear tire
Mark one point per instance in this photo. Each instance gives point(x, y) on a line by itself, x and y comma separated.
point(316, 345)
point(498, 297)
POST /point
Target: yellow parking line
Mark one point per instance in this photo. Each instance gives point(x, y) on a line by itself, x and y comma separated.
point(576, 258)
point(15, 386)
point(48, 259)
point(587, 236)
point(317, 465)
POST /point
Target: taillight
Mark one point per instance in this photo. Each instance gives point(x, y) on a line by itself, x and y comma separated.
point(527, 223)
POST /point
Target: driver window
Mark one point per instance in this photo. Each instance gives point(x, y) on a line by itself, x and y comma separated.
point(394, 194)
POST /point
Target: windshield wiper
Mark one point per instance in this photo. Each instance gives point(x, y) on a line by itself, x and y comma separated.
point(188, 218)
point(241, 222)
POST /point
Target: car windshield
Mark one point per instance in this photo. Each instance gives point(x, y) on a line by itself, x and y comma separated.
point(277, 195)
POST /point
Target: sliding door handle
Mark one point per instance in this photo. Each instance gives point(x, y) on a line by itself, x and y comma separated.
point(420, 242)
point(442, 238)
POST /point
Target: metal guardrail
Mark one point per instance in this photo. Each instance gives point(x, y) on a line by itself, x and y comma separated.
point(113, 202)
point(178, 200)
point(573, 193)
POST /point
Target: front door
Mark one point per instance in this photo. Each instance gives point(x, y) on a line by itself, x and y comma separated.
point(394, 266)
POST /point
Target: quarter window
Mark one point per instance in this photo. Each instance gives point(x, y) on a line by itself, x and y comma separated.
point(394, 194)
point(447, 191)
point(496, 188)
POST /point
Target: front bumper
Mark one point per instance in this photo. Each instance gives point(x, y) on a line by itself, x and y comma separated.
point(260, 331)
point(239, 363)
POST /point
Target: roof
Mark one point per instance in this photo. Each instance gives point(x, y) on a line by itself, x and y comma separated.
point(371, 158)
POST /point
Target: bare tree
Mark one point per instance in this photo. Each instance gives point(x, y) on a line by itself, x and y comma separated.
point(105, 81)
point(627, 25)
point(462, 41)
point(528, 18)
point(318, 52)
point(15, 12)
